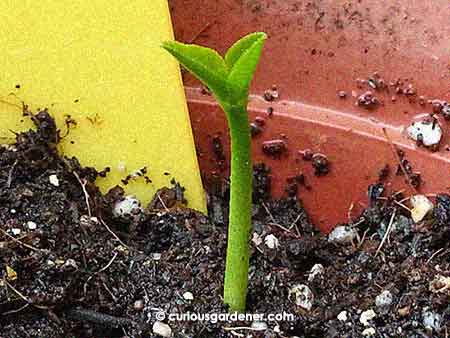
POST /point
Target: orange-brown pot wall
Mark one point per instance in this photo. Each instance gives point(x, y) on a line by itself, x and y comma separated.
point(320, 56)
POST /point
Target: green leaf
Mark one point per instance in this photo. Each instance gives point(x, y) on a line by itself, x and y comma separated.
point(244, 55)
point(235, 52)
point(206, 64)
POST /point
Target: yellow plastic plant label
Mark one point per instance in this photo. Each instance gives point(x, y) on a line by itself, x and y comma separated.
point(100, 63)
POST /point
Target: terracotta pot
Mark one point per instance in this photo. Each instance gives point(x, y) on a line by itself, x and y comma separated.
point(315, 53)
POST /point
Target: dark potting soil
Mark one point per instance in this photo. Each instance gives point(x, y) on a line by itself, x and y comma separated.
point(70, 267)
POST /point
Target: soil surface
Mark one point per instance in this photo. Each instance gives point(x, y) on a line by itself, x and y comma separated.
point(72, 266)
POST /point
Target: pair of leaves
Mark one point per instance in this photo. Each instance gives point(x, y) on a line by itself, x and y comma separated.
point(229, 78)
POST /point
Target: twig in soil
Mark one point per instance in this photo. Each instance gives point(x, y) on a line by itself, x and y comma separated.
point(269, 213)
point(294, 223)
point(388, 231)
point(17, 292)
point(398, 192)
point(125, 333)
point(274, 222)
point(16, 310)
point(280, 226)
point(240, 328)
point(349, 212)
point(112, 233)
point(20, 242)
point(399, 160)
point(434, 255)
point(99, 271)
point(109, 263)
point(22, 296)
point(402, 205)
point(162, 202)
point(114, 298)
point(259, 249)
point(361, 240)
point(10, 174)
point(86, 195)
point(357, 223)
point(84, 315)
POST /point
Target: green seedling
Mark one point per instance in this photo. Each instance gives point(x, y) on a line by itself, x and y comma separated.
point(229, 80)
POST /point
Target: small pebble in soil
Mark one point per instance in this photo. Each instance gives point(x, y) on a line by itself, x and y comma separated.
point(342, 234)
point(70, 265)
point(316, 271)
point(342, 316)
point(302, 296)
point(162, 329)
point(342, 94)
point(271, 94)
point(271, 242)
point(440, 284)
point(129, 206)
point(421, 207)
point(445, 111)
point(367, 100)
point(31, 225)
point(274, 148)
point(375, 81)
point(307, 154)
point(259, 326)
point(11, 274)
point(188, 296)
point(255, 129)
point(422, 100)
point(256, 239)
point(138, 305)
point(54, 180)
point(156, 256)
point(384, 299)
point(404, 311)
point(410, 90)
point(16, 231)
point(427, 132)
point(369, 332)
point(88, 222)
point(366, 317)
point(432, 320)
point(437, 105)
point(320, 164)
